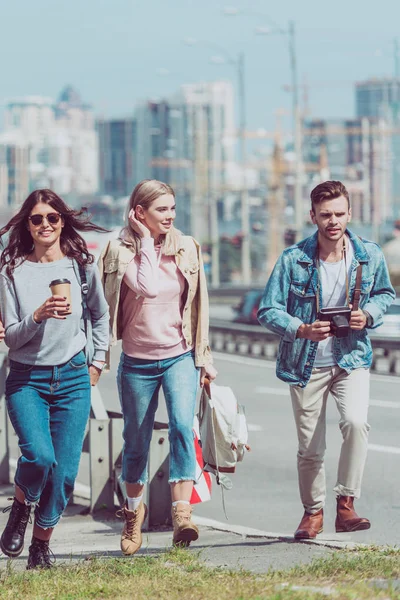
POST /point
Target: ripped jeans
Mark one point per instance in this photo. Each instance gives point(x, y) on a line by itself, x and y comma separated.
point(139, 382)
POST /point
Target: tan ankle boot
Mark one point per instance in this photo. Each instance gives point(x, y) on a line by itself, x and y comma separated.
point(131, 537)
point(185, 531)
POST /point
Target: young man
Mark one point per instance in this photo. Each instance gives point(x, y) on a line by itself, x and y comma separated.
point(319, 272)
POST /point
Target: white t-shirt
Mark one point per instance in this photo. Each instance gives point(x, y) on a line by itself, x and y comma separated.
point(333, 286)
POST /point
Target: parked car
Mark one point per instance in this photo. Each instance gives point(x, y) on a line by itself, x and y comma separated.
point(246, 310)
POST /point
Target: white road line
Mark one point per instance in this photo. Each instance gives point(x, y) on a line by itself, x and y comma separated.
point(245, 360)
point(283, 392)
point(384, 403)
point(271, 364)
point(385, 449)
point(271, 390)
point(253, 427)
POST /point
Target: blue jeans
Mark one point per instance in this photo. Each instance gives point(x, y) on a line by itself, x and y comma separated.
point(49, 408)
point(139, 382)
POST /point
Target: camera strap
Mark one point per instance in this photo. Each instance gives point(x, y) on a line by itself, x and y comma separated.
point(357, 289)
point(344, 256)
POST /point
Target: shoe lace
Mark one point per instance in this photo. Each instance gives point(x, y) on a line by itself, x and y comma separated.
point(130, 531)
point(182, 516)
point(41, 553)
point(20, 515)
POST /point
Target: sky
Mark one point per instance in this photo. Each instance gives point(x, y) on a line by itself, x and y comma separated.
point(118, 52)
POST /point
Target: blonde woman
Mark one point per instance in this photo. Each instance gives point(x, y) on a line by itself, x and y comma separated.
point(155, 285)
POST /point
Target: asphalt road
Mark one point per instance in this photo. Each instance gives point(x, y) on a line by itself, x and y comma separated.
point(265, 493)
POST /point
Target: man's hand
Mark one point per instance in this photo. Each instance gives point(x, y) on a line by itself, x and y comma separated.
point(316, 332)
point(358, 320)
point(2, 332)
point(94, 374)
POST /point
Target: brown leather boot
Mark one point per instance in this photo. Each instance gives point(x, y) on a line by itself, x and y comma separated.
point(310, 526)
point(346, 517)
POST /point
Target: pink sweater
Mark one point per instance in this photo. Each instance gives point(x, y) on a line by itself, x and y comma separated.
point(152, 308)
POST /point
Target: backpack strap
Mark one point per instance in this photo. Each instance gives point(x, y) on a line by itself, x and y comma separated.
point(81, 276)
point(357, 289)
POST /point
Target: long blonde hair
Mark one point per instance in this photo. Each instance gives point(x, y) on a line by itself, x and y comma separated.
point(144, 194)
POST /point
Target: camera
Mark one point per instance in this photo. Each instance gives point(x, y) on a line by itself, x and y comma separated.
point(339, 317)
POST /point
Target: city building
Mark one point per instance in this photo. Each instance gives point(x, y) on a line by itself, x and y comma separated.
point(376, 97)
point(188, 141)
point(14, 170)
point(356, 152)
point(379, 100)
point(60, 138)
point(116, 156)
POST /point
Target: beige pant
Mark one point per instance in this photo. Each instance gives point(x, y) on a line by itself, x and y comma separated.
point(351, 393)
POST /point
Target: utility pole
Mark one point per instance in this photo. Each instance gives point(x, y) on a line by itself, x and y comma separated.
point(296, 125)
point(244, 198)
point(215, 180)
point(276, 207)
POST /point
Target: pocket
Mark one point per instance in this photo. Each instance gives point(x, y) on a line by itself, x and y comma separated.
point(78, 361)
point(302, 289)
point(366, 285)
point(111, 265)
point(193, 269)
point(18, 367)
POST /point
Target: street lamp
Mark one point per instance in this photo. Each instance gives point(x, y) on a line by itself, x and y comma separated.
point(238, 64)
point(290, 33)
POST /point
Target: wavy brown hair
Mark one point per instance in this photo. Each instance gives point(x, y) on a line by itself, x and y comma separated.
point(20, 243)
point(329, 190)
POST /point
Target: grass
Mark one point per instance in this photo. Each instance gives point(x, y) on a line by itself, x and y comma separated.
point(177, 574)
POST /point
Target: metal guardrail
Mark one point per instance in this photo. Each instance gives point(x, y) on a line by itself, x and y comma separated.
point(257, 342)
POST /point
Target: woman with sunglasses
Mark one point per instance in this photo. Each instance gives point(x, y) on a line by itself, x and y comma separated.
point(48, 386)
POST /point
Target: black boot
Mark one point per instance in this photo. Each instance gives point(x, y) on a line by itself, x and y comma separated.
point(40, 555)
point(12, 539)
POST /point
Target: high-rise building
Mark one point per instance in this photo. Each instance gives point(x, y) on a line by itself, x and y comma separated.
point(356, 152)
point(116, 156)
point(379, 101)
point(188, 141)
point(375, 97)
point(61, 141)
point(14, 171)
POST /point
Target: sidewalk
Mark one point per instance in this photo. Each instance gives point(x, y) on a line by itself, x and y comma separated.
point(80, 536)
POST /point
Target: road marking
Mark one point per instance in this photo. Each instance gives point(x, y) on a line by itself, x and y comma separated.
point(271, 364)
point(282, 392)
point(385, 449)
point(384, 403)
point(253, 427)
point(245, 360)
point(271, 390)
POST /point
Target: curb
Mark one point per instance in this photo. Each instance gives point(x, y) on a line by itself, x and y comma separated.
point(283, 537)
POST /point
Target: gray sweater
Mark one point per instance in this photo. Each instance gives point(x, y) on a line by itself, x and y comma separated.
point(53, 341)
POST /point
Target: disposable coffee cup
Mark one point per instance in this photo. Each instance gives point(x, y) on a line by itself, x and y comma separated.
point(62, 287)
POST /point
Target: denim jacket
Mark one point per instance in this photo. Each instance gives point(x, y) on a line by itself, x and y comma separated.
point(289, 300)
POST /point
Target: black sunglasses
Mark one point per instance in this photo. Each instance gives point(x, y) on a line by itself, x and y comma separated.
point(53, 218)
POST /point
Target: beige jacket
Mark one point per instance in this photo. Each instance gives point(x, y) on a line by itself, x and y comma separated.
point(113, 263)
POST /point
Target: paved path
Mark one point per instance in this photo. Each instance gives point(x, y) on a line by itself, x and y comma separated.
point(80, 536)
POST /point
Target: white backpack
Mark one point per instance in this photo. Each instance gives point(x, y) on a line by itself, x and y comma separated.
point(223, 431)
